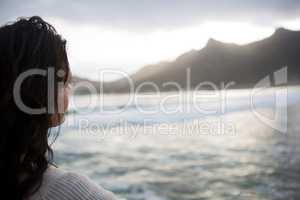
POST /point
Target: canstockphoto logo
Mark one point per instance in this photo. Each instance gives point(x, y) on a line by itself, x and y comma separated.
point(276, 96)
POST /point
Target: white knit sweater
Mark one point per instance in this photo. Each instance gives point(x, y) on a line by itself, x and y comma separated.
point(62, 185)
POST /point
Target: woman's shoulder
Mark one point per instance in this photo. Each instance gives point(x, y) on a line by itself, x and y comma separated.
point(61, 184)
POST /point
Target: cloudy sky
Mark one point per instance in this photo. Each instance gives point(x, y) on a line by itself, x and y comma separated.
point(128, 34)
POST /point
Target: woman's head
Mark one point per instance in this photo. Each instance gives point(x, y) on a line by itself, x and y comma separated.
point(34, 74)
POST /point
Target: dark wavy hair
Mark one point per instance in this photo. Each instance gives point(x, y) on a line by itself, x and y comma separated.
point(25, 152)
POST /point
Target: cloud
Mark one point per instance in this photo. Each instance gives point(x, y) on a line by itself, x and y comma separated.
point(144, 15)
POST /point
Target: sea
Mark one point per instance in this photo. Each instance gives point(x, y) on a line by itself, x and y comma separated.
point(192, 145)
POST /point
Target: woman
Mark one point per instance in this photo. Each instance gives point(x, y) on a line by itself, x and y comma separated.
point(34, 78)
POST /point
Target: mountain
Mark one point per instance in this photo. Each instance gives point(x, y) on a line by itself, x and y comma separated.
point(218, 62)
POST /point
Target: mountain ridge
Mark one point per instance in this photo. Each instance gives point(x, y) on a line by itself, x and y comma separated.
point(218, 62)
